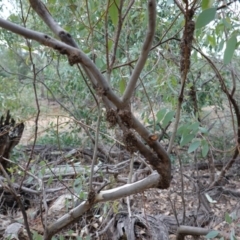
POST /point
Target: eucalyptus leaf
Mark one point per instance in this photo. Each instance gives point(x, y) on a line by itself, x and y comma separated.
point(122, 85)
point(186, 138)
point(228, 219)
point(205, 148)
point(206, 4)
point(167, 118)
point(160, 114)
point(212, 234)
point(230, 48)
point(205, 17)
point(113, 11)
point(193, 146)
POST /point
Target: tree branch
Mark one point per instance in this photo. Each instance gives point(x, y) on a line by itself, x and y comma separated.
point(107, 195)
point(74, 55)
point(144, 53)
point(40, 8)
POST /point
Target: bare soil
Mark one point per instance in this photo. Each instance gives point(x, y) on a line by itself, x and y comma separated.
point(51, 115)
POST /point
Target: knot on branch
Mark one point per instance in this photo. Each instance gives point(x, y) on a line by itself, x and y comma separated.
point(73, 58)
point(111, 117)
point(126, 118)
point(130, 141)
point(101, 91)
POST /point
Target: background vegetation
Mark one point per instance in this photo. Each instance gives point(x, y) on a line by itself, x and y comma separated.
point(193, 112)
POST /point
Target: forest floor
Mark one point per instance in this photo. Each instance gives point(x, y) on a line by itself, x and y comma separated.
point(187, 202)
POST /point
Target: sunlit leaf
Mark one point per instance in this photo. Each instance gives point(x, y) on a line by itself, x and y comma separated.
point(207, 4)
point(122, 85)
point(211, 40)
point(110, 44)
point(227, 23)
point(113, 11)
point(205, 17)
point(170, 2)
point(230, 48)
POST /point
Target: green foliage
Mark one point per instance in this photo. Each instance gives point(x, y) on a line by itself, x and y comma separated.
point(212, 234)
point(37, 236)
point(165, 116)
point(205, 148)
point(66, 138)
point(205, 17)
point(230, 48)
point(113, 11)
point(194, 145)
point(189, 133)
point(207, 4)
point(229, 219)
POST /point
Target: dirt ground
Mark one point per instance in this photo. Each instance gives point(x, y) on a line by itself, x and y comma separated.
point(51, 115)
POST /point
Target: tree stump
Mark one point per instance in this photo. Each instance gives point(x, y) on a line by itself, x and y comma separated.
point(10, 135)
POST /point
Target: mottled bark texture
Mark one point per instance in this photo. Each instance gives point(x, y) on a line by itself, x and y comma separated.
point(10, 135)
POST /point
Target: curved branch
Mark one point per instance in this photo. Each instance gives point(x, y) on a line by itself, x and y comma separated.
point(144, 53)
point(107, 195)
point(40, 8)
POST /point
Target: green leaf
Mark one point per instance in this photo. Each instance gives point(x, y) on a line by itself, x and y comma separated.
point(206, 4)
point(122, 85)
point(50, 180)
point(186, 138)
point(110, 44)
point(227, 23)
point(205, 17)
point(160, 114)
point(220, 47)
point(228, 219)
point(211, 40)
point(203, 130)
point(99, 63)
point(193, 146)
point(113, 11)
point(205, 148)
point(167, 118)
point(183, 129)
point(212, 234)
point(194, 127)
point(170, 2)
point(231, 46)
